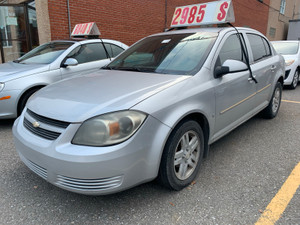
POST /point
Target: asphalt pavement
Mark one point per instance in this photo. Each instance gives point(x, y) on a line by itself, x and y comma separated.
point(237, 181)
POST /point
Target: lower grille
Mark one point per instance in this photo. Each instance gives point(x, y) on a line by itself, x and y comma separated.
point(42, 172)
point(89, 184)
point(287, 72)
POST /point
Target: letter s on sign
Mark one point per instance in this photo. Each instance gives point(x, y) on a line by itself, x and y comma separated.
point(222, 13)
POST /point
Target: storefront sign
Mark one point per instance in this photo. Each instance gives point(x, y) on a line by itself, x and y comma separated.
point(85, 29)
point(203, 14)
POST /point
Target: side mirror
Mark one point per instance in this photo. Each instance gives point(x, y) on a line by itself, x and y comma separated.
point(70, 62)
point(230, 66)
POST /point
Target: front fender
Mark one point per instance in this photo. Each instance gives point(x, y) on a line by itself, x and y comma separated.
point(170, 106)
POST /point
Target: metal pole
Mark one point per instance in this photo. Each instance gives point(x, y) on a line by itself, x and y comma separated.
point(166, 16)
point(69, 18)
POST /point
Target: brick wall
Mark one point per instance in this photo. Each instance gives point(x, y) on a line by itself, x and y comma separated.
point(252, 13)
point(131, 20)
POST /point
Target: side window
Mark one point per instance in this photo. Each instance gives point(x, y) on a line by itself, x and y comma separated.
point(230, 50)
point(108, 48)
point(116, 50)
point(267, 47)
point(88, 53)
point(260, 47)
point(74, 52)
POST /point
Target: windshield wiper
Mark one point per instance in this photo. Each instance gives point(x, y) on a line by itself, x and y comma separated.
point(106, 68)
point(16, 61)
point(129, 69)
point(137, 69)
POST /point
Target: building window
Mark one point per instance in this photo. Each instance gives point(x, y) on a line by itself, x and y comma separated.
point(5, 29)
point(282, 7)
point(272, 32)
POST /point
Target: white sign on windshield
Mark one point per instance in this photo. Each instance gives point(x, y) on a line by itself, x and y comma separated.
point(203, 14)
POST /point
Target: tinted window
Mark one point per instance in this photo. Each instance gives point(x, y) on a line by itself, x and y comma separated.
point(113, 50)
point(89, 53)
point(230, 50)
point(267, 47)
point(116, 50)
point(258, 46)
point(109, 50)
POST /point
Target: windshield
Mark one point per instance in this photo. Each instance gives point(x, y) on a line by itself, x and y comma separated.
point(45, 54)
point(286, 48)
point(169, 54)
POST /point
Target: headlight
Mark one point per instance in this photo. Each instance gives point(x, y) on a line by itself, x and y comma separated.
point(109, 129)
point(289, 62)
point(1, 86)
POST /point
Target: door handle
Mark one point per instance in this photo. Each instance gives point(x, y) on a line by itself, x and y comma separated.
point(273, 67)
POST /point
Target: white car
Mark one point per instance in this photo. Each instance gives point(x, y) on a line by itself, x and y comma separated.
point(291, 52)
point(49, 63)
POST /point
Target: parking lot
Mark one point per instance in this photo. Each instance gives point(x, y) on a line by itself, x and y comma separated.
point(242, 174)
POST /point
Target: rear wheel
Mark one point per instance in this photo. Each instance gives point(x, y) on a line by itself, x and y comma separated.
point(273, 107)
point(182, 156)
point(295, 80)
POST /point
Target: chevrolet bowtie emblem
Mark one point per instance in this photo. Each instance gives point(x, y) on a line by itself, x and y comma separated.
point(36, 124)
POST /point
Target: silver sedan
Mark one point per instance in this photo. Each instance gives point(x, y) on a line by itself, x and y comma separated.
point(152, 112)
point(49, 63)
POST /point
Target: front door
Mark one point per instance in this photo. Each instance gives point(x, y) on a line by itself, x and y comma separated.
point(234, 92)
point(91, 57)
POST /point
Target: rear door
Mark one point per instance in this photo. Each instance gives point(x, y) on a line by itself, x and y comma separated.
point(264, 67)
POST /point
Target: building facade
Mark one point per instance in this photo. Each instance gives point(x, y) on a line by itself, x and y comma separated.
point(126, 20)
point(18, 29)
point(280, 13)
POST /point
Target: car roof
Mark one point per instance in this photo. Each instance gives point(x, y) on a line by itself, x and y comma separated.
point(86, 41)
point(206, 29)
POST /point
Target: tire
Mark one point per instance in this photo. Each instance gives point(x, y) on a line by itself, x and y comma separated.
point(180, 161)
point(23, 100)
point(272, 109)
point(295, 80)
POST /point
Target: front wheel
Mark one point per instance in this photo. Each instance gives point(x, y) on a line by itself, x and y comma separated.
point(23, 100)
point(272, 109)
point(182, 156)
point(295, 80)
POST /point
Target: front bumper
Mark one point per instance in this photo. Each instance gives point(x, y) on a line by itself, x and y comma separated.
point(8, 104)
point(289, 74)
point(93, 170)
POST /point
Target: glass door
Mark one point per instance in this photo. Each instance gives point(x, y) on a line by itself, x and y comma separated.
point(18, 31)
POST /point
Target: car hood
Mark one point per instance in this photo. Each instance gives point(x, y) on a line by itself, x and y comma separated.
point(287, 57)
point(10, 71)
point(77, 99)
